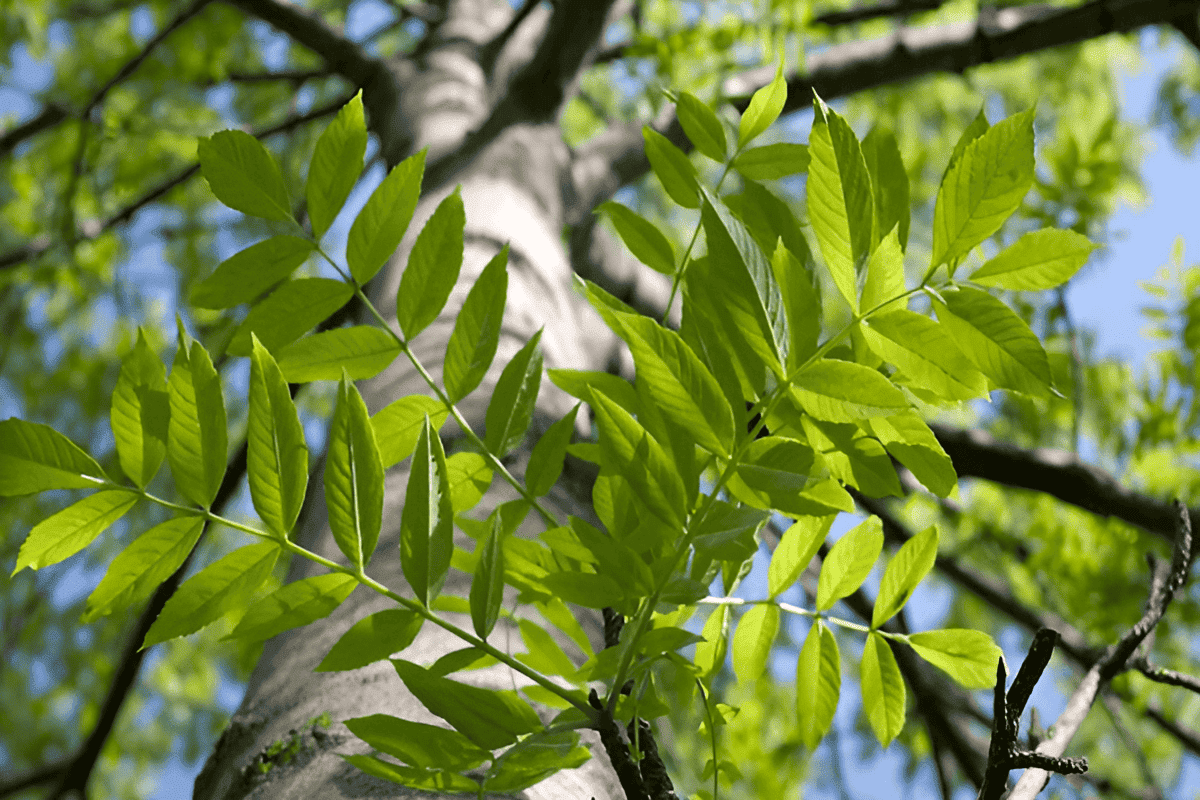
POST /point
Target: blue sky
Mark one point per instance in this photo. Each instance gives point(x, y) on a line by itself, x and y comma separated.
point(1106, 299)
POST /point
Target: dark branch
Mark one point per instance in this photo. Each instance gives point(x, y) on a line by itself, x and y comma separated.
point(343, 56)
point(41, 244)
point(50, 115)
point(884, 8)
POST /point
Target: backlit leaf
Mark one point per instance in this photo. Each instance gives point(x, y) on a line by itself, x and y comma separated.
point(889, 181)
point(1038, 260)
point(212, 592)
point(472, 344)
point(546, 460)
point(849, 562)
point(75, 527)
point(398, 424)
point(439, 781)
point(353, 478)
point(882, 688)
point(752, 641)
point(772, 161)
point(276, 455)
point(247, 274)
point(997, 340)
point(904, 572)
point(674, 170)
point(298, 603)
point(427, 521)
point(139, 569)
point(140, 410)
point(289, 312)
point(379, 227)
point(968, 656)
point(487, 587)
point(243, 175)
point(197, 444)
point(337, 161)
point(642, 237)
point(925, 352)
point(363, 351)
point(433, 267)
point(818, 683)
point(511, 407)
point(417, 743)
point(795, 552)
point(841, 391)
point(702, 126)
point(765, 106)
point(983, 187)
point(35, 457)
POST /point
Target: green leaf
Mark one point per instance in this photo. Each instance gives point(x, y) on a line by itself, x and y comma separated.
point(680, 383)
point(433, 267)
point(543, 653)
point(978, 127)
point(487, 587)
point(765, 107)
point(291, 606)
point(910, 441)
point(511, 407)
point(417, 743)
point(35, 458)
point(983, 188)
point(546, 460)
point(243, 175)
point(801, 302)
point(710, 654)
point(882, 689)
point(472, 344)
point(818, 683)
point(885, 275)
point(468, 658)
point(889, 181)
point(849, 562)
point(841, 205)
point(276, 455)
point(841, 391)
point(1039, 260)
point(363, 351)
point(337, 162)
point(440, 781)
point(398, 424)
point(353, 478)
point(772, 161)
point(490, 719)
point(379, 227)
point(197, 444)
point(702, 126)
point(925, 352)
point(795, 552)
point(138, 570)
point(249, 273)
point(751, 297)
point(373, 638)
point(289, 312)
point(585, 589)
point(637, 456)
point(768, 219)
point(470, 476)
point(218, 588)
point(967, 656)
point(728, 532)
point(997, 340)
point(642, 237)
point(427, 521)
point(534, 759)
point(579, 383)
point(752, 641)
point(75, 527)
point(674, 170)
point(140, 410)
point(773, 472)
point(853, 458)
point(904, 572)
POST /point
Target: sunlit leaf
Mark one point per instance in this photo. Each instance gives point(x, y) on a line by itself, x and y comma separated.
point(293, 605)
point(818, 683)
point(75, 527)
point(882, 689)
point(967, 656)
point(337, 161)
point(476, 333)
point(379, 227)
point(373, 638)
point(353, 478)
point(363, 351)
point(433, 267)
point(849, 561)
point(243, 175)
point(427, 521)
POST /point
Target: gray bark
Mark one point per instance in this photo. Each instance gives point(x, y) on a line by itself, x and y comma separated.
point(513, 192)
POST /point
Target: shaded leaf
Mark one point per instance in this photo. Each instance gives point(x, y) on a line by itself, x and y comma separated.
point(702, 126)
point(417, 743)
point(546, 460)
point(642, 237)
point(889, 181)
point(35, 458)
point(427, 521)
point(487, 587)
point(440, 781)
point(772, 161)
point(373, 638)
point(672, 167)
point(247, 274)
point(511, 407)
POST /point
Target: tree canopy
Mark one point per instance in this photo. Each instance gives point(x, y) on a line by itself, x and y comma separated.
point(738, 384)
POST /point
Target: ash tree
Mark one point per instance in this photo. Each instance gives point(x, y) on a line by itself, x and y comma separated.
point(494, 388)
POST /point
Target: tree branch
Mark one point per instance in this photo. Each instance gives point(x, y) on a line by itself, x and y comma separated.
point(912, 52)
point(1164, 583)
point(41, 244)
point(342, 55)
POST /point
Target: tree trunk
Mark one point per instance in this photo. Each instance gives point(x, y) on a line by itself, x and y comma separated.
point(512, 192)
